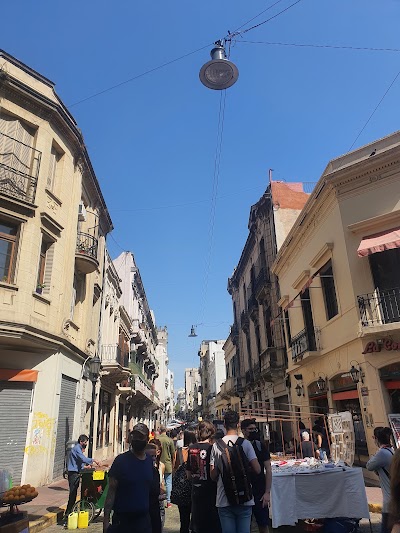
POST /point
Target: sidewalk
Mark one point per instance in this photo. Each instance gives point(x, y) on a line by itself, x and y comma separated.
point(375, 499)
point(49, 505)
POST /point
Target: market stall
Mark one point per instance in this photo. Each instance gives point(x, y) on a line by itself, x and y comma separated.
point(302, 491)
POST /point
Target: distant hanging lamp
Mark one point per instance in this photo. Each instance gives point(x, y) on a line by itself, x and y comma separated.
point(192, 332)
point(219, 73)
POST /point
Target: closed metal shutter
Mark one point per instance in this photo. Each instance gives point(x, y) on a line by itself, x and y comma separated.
point(15, 403)
point(65, 423)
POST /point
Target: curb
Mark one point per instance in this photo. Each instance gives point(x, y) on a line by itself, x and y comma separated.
point(45, 521)
point(375, 507)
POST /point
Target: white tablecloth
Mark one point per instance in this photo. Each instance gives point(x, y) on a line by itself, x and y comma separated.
point(326, 494)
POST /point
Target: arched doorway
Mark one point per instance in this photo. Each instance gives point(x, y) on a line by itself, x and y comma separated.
point(345, 397)
point(390, 377)
point(318, 400)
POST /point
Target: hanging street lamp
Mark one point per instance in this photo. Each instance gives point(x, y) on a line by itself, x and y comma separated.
point(219, 73)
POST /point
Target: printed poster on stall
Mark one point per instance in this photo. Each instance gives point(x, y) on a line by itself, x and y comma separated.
point(394, 421)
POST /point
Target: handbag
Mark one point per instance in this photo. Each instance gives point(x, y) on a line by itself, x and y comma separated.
point(181, 487)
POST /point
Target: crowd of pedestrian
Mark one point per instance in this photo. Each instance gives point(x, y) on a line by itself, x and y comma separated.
point(218, 481)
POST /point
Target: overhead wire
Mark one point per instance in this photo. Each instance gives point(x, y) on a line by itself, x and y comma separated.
point(217, 164)
point(375, 110)
point(308, 45)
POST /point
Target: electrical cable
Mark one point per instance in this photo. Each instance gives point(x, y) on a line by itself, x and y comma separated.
point(337, 47)
point(375, 110)
point(173, 206)
point(217, 164)
point(261, 13)
point(231, 36)
point(138, 76)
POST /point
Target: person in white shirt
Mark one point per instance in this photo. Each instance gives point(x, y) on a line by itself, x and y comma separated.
point(233, 518)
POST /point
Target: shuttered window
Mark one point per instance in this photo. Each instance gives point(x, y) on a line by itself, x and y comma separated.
point(54, 166)
point(45, 265)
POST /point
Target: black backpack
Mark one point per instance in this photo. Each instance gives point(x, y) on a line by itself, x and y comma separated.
point(235, 472)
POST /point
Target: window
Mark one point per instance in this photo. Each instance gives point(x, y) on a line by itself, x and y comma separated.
point(55, 157)
point(329, 291)
point(8, 246)
point(45, 265)
point(287, 326)
point(258, 341)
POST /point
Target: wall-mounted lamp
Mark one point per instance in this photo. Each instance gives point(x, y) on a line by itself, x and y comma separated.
point(355, 372)
point(299, 390)
point(321, 383)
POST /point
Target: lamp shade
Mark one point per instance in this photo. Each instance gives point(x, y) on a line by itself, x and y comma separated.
point(95, 365)
point(219, 73)
point(321, 383)
point(354, 374)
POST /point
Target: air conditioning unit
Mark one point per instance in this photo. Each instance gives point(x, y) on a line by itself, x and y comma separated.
point(81, 212)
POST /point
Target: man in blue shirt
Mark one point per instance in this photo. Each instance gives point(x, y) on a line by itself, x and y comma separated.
point(129, 482)
point(76, 461)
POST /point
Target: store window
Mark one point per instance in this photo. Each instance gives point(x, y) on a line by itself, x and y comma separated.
point(8, 250)
point(329, 291)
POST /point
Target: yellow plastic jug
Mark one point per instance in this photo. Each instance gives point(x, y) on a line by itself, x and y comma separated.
point(72, 521)
point(83, 519)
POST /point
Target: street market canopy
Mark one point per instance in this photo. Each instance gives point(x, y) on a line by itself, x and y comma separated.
point(379, 242)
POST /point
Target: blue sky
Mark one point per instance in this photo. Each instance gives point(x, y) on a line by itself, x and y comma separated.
point(152, 141)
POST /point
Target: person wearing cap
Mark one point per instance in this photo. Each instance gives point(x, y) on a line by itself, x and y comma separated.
point(130, 480)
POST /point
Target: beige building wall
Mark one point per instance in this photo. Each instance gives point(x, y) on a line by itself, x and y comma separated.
point(357, 196)
point(53, 329)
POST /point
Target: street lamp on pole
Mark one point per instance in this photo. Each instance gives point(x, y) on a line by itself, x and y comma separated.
point(94, 369)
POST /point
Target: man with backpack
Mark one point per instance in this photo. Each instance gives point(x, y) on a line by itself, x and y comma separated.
point(233, 460)
point(262, 482)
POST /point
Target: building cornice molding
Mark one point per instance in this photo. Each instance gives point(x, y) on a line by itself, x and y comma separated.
point(379, 223)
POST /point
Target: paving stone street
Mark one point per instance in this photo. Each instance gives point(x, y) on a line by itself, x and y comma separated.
point(172, 525)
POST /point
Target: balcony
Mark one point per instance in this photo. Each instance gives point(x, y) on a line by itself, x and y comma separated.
point(235, 334)
point(262, 282)
point(114, 363)
point(305, 344)
point(272, 367)
point(19, 169)
point(256, 372)
point(380, 308)
point(86, 253)
point(142, 384)
point(252, 305)
point(244, 320)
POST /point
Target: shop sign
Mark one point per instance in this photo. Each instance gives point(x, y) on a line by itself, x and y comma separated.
point(387, 345)
point(364, 391)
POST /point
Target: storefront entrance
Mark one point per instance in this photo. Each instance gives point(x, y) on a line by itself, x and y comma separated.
point(345, 398)
point(390, 377)
point(318, 400)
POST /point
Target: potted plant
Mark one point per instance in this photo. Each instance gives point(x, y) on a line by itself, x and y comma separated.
point(40, 287)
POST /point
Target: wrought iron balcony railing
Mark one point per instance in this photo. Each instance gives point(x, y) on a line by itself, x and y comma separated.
point(87, 245)
point(111, 353)
point(305, 341)
point(19, 169)
point(380, 307)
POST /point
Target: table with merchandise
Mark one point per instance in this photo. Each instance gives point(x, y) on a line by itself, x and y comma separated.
point(304, 489)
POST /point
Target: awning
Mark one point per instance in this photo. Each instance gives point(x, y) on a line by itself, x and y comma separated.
point(9, 374)
point(345, 395)
point(379, 242)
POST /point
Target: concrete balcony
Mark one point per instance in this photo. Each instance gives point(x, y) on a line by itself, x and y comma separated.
point(114, 363)
point(272, 366)
point(86, 253)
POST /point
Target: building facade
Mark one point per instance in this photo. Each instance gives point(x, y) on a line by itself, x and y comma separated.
point(161, 382)
point(53, 223)
point(144, 399)
point(339, 279)
point(260, 359)
point(212, 374)
point(192, 382)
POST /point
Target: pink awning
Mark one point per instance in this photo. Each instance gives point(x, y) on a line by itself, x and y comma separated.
point(380, 242)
